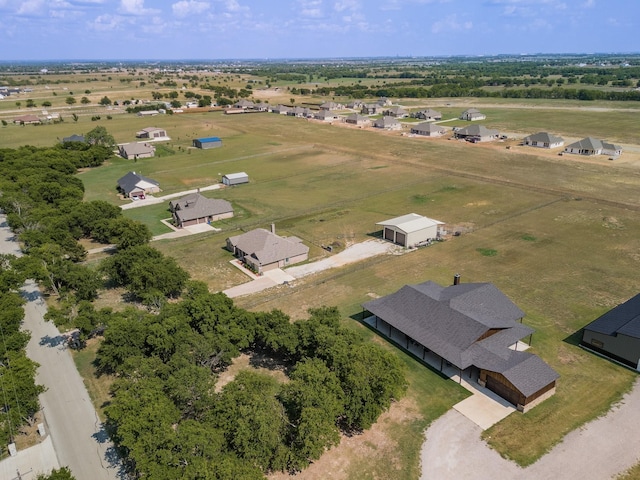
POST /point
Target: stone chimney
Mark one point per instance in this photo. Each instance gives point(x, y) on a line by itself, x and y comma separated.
point(273, 228)
point(456, 279)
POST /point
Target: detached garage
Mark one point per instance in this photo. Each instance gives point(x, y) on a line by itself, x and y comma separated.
point(235, 178)
point(411, 229)
point(208, 142)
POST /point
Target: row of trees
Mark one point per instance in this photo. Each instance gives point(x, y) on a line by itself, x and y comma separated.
point(170, 423)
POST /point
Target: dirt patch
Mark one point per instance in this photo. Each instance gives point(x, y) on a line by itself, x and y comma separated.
point(256, 362)
point(377, 442)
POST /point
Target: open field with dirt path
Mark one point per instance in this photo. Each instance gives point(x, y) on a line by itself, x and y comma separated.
point(565, 230)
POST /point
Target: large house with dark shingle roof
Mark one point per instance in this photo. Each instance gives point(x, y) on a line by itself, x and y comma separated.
point(616, 334)
point(262, 250)
point(195, 208)
point(473, 327)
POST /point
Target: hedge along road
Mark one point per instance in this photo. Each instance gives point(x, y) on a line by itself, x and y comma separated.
point(79, 439)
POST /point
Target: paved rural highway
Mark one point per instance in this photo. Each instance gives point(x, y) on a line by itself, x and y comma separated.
point(76, 431)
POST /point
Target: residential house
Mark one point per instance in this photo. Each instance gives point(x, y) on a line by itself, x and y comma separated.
point(231, 179)
point(281, 109)
point(593, 146)
point(411, 230)
point(616, 334)
point(262, 250)
point(194, 209)
point(543, 140)
point(384, 102)
point(387, 123)
point(136, 150)
point(355, 104)
point(359, 120)
point(428, 115)
point(74, 138)
point(331, 106)
point(371, 109)
point(473, 328)
point(396, 111)
point(476, 133)
point(428, 129)
point(325, 116)
point(137, 187)
point(207, 142)
point(27, 120)
point(151, 132)
point(244, 104)
point(472, 115)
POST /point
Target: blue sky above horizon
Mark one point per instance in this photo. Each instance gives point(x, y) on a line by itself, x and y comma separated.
point(261, 29)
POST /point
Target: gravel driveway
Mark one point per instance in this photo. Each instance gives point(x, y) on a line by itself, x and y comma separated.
point(599, 450)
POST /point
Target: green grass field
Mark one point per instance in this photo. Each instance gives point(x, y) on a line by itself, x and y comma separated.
point(558, 235)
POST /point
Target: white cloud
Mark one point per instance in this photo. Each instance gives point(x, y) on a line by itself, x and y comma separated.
point(451, 23)
point(106, 23)
point(31, 7)
point(342, 5)
point(135, 7)
point(589, 4)
point(185, 8)
point(311, 8)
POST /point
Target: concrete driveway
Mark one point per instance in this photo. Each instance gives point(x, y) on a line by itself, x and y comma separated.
point(599, 450)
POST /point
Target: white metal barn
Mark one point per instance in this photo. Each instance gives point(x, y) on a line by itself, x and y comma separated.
point(411, 229)
point(235, 178)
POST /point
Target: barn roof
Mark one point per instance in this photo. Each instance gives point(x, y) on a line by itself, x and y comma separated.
point(411, 222)
point(624, 319)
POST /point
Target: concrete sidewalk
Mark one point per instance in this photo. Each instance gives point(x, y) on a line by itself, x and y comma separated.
point(29, 463)
point(267, 280)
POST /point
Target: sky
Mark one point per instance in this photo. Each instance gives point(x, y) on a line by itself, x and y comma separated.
point(280, 29)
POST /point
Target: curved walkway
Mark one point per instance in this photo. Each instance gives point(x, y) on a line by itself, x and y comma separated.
point(599, 450)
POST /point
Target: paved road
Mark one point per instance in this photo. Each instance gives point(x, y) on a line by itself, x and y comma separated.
point(78, 438)
point(599, 450)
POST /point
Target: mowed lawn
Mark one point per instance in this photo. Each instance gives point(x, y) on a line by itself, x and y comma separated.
point(565, 233)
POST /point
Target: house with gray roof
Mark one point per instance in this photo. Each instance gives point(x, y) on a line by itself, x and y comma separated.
point(262, 250)
point(472, 114)
point(325, 116)
point(136, 186)
point(196, 208)
point(428, 115)
point(396, 111)
point(616, 334)
point(359, 120)
point(593, 146)
point(428, 129)
point(476, 133)
point(543, 140)
point(331, 106)
point(136, 150)
point(371, 109)
point(473, 327)
point(387, 123)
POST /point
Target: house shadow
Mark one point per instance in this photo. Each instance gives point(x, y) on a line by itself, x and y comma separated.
point(377, 234)
point(33, 296)
point(574, 339)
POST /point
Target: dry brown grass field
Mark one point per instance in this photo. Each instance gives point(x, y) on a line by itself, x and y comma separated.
point(565, 230)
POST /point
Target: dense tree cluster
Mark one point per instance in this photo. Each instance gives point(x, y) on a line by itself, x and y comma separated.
point(170, 423)
point(18, 390)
